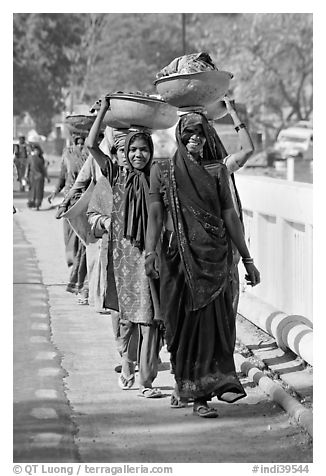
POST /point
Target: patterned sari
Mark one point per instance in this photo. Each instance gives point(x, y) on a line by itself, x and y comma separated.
point(196, 283)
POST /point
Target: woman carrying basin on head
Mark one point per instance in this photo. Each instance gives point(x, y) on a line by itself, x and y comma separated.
point(194, 208)
point(136, 295)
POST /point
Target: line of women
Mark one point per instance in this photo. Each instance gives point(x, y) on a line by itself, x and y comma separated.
point(174, 237)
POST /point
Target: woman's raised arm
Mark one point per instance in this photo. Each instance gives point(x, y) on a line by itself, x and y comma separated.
point(238, 159)
point(92, 139)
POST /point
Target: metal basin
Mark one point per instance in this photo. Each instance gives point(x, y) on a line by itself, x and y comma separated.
point(133, 110)
point(216, 110)
point(79, 123)
point(110, 120)
point(193, 89)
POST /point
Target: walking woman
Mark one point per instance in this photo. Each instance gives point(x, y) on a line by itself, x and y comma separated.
point(35, 175)
point(73, 158)
point(194, 207)
point(136, 296)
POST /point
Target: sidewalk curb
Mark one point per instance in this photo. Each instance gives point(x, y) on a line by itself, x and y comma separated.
point(302, 415)
point(290, 331)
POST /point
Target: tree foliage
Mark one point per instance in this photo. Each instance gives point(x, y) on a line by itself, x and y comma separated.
point(271, 56)
point(76, 57)
point(41, 64)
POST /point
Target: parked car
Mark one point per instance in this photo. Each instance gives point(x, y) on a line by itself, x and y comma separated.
point(296, 142)
point(305, 124)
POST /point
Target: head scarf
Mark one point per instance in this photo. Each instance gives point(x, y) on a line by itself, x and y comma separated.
point(37, 146)
point(213, 149)
point(196, 212)
point(119, 138)
point(136, 195)
point(76, 137)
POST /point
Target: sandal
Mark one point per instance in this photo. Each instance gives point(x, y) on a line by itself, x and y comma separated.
point(126, 383)
point(176, 402)
point(82, 298)
point(150, 392)
point(204, 411)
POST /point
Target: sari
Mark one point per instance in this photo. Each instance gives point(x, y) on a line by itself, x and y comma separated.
point(36, 174)
point(195, 271)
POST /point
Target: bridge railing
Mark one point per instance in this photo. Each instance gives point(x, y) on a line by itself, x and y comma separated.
point(278, 220)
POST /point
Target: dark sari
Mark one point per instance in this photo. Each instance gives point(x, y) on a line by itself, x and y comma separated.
point(36, 174)
point(196, 282)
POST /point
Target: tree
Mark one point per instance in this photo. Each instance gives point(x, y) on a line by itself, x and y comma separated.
point(278, 68)
point(83, 57)
point(134, 48)
point(270, 56)
point(41, 65)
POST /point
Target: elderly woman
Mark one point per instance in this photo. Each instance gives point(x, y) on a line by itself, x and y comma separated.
point(136, 295)
point(194, 207)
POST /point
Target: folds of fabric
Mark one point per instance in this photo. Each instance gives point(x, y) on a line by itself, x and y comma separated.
point(78, 273)
point(194, 202)
point(136, 209)
point(136, 196)
point(201, 343)
point(100, 206)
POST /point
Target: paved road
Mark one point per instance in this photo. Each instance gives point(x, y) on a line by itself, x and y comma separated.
point(68, 407)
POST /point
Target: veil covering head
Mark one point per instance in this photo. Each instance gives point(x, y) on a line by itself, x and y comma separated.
point(113, 139)
point(195, 203)
point(118, 139)
point(214, 150)
point(137, 194)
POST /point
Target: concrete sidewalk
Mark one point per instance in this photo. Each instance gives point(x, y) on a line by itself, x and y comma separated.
point(111, 425)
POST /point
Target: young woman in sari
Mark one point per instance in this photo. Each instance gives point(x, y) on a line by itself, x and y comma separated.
point(136, 295)
point(195, 209)
point(35, 175)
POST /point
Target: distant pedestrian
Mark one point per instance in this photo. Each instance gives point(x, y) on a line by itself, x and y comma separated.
point(21, 152)
point(35, 175)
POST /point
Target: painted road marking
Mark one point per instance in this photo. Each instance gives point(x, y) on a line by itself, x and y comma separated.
point(43, 413)
point(46, 439)
point(39, 326)
point(45, 355)
point(38, 340)
point(48, 371)
point(48, 393)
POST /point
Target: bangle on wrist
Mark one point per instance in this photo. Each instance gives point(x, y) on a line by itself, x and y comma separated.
point(248, 260)
point(240, 126)
point(149, 253)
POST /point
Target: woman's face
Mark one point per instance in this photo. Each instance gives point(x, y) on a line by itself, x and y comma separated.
point(194, 139)
point(80, 143)
point(122, 162)
point(35, 151)
point(139, 153)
